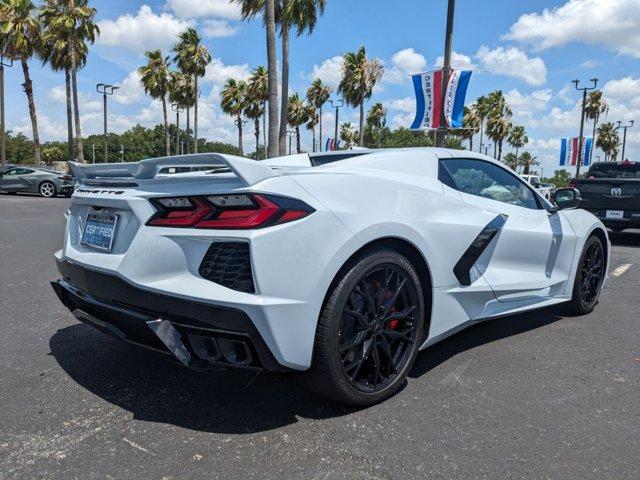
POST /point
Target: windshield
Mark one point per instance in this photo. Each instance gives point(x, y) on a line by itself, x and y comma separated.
point(615, 170)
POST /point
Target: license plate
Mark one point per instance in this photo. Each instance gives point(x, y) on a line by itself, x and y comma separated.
point(99, 231)
point(615, 214)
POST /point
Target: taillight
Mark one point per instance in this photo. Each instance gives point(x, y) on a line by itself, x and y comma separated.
point(239, 212)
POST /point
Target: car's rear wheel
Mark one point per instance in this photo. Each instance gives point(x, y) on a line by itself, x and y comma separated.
point(47, 189)
point(369, 330)
point(589, 277)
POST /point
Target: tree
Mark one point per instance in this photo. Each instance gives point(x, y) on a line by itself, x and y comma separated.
point(258, 91)
point(527, 161)
point(517, 138)
point(51, 154)
point(359, 76)
point(192, 58)
point(233, 103)
point(498, 125)
point(20, 37)
point(348, 135)
point(377, 120)
point(154, 77)
point(180, 96)
point(482, 107)
point(595, 107)
point(254, 110)
point(313, 121)
point(511, 161)
point(560, 178)
point(73, 22)
point(287, 14)
point(608, 140)
point(318, 94)
point(298, 115)
point(471, 124)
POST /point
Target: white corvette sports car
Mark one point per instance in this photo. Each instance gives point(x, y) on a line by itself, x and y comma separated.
point(338, 267)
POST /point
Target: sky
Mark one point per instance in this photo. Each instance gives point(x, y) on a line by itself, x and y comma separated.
point(529, 49)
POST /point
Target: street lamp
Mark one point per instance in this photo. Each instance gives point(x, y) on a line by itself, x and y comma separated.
point(177, 108)
point(105, 89)
point(624, 135)
point(3, 149)
point(584, 91)
point(486, 148)
point(337, 104)
point(290, 134)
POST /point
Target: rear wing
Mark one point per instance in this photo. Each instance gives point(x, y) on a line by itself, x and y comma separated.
point(248, 171)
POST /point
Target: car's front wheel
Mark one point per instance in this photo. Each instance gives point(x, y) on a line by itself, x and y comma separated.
point(47, 189)
point(589, 277)
point(369, 330)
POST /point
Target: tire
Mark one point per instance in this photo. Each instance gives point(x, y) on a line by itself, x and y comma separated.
point(47, 189)
point(349, 375)
point(589, 278)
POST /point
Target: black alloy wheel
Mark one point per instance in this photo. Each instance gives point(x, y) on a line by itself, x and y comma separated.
point(369, 330)
point(589, 277)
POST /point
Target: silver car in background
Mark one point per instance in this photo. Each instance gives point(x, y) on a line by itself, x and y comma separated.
point(36, 180)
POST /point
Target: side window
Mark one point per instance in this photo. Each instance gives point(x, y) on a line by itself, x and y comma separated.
point(483, 179)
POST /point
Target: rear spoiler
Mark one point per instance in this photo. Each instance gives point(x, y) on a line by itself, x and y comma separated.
point(248, 171)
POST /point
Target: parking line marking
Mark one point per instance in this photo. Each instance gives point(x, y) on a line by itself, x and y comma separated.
point(621, 270)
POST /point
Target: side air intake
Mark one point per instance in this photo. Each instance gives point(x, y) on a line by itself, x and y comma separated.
point(229, 264)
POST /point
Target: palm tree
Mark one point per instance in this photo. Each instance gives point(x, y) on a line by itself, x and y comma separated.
point(511, 161)
point(517, 138)
point(318, 94)
point(482, 108)
point(73, 21)
point(154, 77)
point(234, 101)
point(348, 135)
point(298, 115)
point(313, 121)
point(254, 110)
point(377, 119)
point(608, 140)
point(527, 161)
point(20, 37)
point(359, 76)
point(189, 94)
point(179, 87)
point(287, 14)
point(471, 123)
point(595, 107)
point(192, 58)
point(258, 91)
point(498, 125)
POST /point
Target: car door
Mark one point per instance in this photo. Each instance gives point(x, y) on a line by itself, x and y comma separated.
point(531, 255)
point(12, 180)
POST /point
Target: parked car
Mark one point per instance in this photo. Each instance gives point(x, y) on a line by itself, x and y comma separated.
point(534, 181)
point(611, 191)
point(45, 182)
point(335, 271)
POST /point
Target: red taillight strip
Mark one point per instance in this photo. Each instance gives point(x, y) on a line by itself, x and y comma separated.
point(241, 218)
point(182, 218)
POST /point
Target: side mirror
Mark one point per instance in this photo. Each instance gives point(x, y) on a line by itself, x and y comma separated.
point(567, 198)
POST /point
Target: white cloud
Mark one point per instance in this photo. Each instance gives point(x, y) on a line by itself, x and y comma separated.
point(130, 90)
point(329, 71)
point(626, 89)
point(144, 31)
point(407, 104)
point(404, 63)
point(205, 8)
point(217, 72)
point(524, 106)
point(589, 64)
point(402, 120)
point(513, 62)
point(217, 28)
point(458, 60)
point(612, 23)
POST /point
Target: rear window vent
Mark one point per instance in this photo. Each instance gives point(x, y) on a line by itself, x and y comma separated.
point(229, 264)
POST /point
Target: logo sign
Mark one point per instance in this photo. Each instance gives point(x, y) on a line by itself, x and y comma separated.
point(616, 192)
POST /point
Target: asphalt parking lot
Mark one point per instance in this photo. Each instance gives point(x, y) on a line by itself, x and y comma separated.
point(537, 395)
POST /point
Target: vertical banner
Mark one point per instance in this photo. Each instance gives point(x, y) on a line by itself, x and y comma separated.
point(331, 144)
point(454, 99)
point(569, 148)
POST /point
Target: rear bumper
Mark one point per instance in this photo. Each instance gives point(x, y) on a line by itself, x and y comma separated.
point(631, 218)
point(199, 335)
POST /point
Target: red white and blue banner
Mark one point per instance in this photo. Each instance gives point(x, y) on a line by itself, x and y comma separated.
point(332, 145)
point(569, 151)
point(428, 88)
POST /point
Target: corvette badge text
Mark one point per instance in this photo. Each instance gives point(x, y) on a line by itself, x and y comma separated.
point(107, 192)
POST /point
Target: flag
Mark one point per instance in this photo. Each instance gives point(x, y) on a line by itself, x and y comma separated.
point(332, 145)
point(428, 89)
point(569, 151)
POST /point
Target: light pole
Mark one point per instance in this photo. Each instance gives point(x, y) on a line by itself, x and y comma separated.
point(486, 148)
point(441, 133)
point(584, 91)
point(105, 89)
point(177, 108)
point(290, 134)
point(3, 148)
point(337, 104)
point(624, 135)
